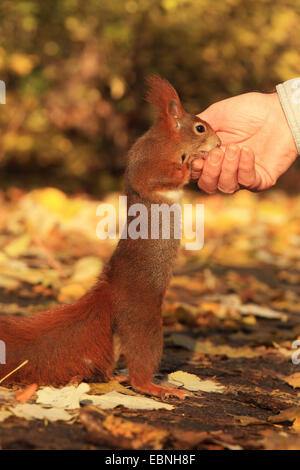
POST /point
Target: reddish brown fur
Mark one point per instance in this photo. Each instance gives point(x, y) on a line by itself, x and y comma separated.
point(122, 314)
point(160, 92)
point(62, 343)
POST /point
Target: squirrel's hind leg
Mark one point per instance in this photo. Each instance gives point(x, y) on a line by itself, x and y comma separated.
point(157, 390)
point(150, 388)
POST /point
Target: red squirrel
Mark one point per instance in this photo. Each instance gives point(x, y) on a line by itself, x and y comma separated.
point(121, 315)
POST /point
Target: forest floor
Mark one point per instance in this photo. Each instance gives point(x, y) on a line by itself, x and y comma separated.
point(231, 315)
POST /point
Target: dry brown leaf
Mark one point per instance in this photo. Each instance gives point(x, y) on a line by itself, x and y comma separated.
point(296, 424)
point(100, 388)
point(293, 380)
point(207, 347)
point(289, 414)
point(142, 435)
point(121, 433)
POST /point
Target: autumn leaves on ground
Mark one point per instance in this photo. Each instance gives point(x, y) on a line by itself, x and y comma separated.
point(231, 316)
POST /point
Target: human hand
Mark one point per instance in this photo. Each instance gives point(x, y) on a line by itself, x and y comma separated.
point(257, 144)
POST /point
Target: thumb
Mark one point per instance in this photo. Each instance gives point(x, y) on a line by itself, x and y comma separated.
point(212, 115)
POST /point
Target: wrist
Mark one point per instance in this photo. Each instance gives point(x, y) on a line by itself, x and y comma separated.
point(283, 125)
point(289, 96)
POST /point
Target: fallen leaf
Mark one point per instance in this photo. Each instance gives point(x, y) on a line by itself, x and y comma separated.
point(18, 246)
point(193, 383)
point(16, 269)
point(121, 433)
point(290, 414)
point(206, 347)
point(27, 393)
point(296, 424)
point(8, 283)
point(33, 411)
point(6, 395)
point(293, 380)
point(87, 269)
point(101, 388)
point(66, 397)
point(143, 436)
point(258, 311)
point(113, 399)
point(71, 293)
point(4, 415)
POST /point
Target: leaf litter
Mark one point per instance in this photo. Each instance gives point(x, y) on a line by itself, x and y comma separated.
point(230, 318)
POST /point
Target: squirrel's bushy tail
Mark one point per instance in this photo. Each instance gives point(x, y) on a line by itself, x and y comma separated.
point(62, 343)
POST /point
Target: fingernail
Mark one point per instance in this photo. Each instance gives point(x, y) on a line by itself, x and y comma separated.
point(215, 157)
point(232, 152)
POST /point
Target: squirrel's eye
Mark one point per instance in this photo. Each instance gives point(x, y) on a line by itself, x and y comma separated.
point(183, 158)
point(200, 128)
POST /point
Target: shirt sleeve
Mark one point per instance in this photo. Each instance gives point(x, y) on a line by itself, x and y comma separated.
point(289, 96)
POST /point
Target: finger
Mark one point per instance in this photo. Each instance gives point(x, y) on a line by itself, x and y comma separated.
point(195, 175)
point(209, 178)
point(197, 166)
point(246, 173)
point(228, 181)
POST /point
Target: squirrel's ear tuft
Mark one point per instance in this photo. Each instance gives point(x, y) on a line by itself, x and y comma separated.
point(163, 97)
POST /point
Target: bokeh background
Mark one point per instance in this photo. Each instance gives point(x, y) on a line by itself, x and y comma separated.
point(75, 71)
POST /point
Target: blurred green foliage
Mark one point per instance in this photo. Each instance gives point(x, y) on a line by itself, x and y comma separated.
point(75, 70)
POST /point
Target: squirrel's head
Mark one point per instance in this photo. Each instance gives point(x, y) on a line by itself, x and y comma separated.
point(193, 135)
point(160, 161)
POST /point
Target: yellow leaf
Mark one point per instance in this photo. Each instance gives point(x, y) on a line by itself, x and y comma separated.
point(71, 292)
point(18, 246)
point(87, 269)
